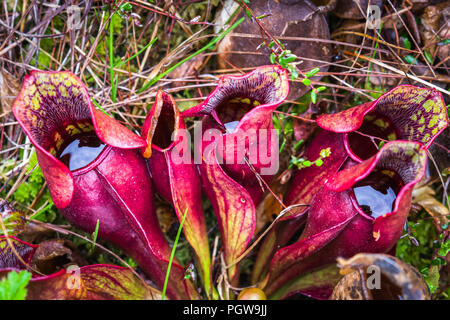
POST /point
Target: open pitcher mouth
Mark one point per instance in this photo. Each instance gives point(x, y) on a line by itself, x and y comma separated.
point(232, 110)
point(364, 142)
point(69, 134)
point(161, 125)
point(235, 97)
point(377, 185)
point(79, 147)
point(162, 136)
point(405, 113)
point(376, 194)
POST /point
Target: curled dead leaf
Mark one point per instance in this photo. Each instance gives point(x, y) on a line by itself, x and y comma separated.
point(429, 27)
point(35, 232)
point(424, 196)
point(54, 255)
point(9, 88)
point(186, 70)
point(379, 277)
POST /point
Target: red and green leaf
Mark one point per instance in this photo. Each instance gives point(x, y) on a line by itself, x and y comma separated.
point(94, 282)
point(175, 175)
point(53, 108)
point(338, 227)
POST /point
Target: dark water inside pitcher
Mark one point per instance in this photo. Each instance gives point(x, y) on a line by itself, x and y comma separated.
point(80, 150)
point(376, 193)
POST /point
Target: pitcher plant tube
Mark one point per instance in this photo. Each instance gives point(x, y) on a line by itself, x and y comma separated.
point(94, 171)
point(239, 147)
point(361, 208)
point(175, 175)
point(406, 112)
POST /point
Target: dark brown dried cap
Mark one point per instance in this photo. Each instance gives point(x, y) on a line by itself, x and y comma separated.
point(287, 20)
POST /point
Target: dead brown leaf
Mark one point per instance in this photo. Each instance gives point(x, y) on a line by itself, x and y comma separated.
point(9, 88)
point(54, 255)
point(424, 196)
point(166, 216)
point(291, 19)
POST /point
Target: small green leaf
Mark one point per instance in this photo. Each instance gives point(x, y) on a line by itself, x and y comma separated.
point(320, 89)
point(293, 70)
point(409, 59)
point(294, 161)
point(444, 249)
point(289, 58)
point(298, 144)
point(294, 74)
point(311, 73)
point(313, 96)
point(285, 58)
point(13, 287)
point(306, 82)
point(282, 145)
point(126, 7)
point(406, 42)
point(319, 162)
point(428, 56)
point(288, 128)
point(249, 13)
point(438, 262)
point(272, 58)
point(276, 123)
point(324, 153)
point(280, 44)
point(94, 236)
